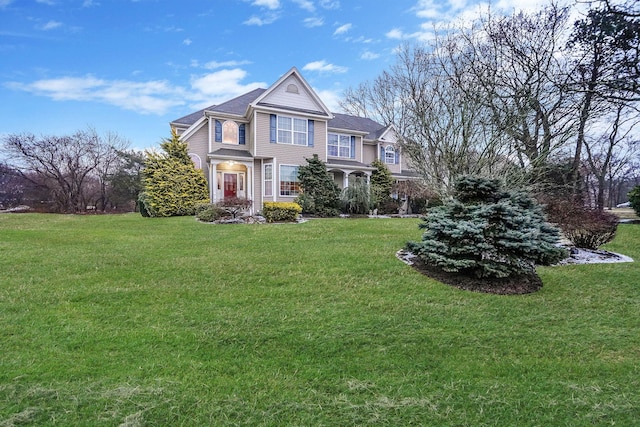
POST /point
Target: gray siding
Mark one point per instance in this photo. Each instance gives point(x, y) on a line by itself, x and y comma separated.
point(198, 144)
point(369, 154)
point(288, 153)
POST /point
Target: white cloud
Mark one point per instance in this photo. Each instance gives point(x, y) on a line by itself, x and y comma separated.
point(395, 34)
point(212, 65)
point(90, 3)
point(51, 25)
point(260, 21)
point(313, 22)
point(342, 29)
point(5, 3)
point(220, 86)
point(269, 4)
point(47, 2)
point(324, 67)
point(306, 5)
point(428, 9)
point(187, 42)
point(330, 98)
point(330, 4)
point(368, 55)
point(153, 97)
point(424, 35)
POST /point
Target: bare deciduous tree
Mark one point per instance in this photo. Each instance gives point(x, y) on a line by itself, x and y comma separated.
point(63, 165)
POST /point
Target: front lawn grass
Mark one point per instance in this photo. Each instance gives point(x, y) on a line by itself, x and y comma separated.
point(124, 320)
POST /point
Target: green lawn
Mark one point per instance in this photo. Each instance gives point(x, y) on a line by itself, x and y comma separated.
point(122, 320)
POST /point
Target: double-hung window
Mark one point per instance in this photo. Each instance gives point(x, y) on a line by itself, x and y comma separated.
point(289, 185)
point(339, 145)
point(292, 130)
point(268, 179)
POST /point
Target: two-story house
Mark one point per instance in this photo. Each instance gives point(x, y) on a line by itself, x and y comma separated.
point(251, 146)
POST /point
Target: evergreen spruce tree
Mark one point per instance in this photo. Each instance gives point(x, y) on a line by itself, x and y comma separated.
point(487, 232)
point(320, 195)
point(381, 183)
point(172, 184)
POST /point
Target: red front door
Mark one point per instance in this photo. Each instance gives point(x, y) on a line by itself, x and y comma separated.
point(230, 185)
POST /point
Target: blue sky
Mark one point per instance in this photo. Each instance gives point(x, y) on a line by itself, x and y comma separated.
point(132, 66)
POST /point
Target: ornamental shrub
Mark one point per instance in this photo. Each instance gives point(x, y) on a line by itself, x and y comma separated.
point(588, 228)
point(583, 227)
point(209, 212)
point(281, 211)
point(320, 194)
point(634, 199)
point(172, 185)
point(485, 231)
point(381, 183)
point(355, 198)
point(234, 205)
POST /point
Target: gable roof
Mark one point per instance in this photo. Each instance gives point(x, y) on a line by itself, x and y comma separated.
point(239, 106)
point(190, 119)
point(272, 99)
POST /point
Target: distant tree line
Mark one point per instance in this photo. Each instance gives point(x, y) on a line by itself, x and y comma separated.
point(74, 173)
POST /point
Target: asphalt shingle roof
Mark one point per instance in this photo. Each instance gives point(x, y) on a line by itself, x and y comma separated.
point(348, 122)
point(238, 106)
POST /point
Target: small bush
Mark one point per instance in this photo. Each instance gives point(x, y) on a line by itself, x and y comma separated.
point(208, 212)
point(388, 207)
point(281, 211)
point(589, 229)
point(234, 205)
point(634, 199)
point(583, 227)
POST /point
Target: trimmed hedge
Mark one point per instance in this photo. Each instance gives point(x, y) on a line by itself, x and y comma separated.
point(281, 211)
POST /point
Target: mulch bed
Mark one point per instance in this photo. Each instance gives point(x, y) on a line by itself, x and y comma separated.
point(518, 285)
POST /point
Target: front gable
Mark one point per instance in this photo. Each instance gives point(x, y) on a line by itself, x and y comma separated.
point(292, 93)
point(389, 135)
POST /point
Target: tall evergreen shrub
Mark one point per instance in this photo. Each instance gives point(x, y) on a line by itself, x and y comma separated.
point(172, 184)
point(487, 232)
point(320, 194)
point(381, 184)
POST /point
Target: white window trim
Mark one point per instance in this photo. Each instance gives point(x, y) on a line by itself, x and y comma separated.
point(292, 130)
point(389, 149)
point(349, 145)
point(225, 139)
point(197, 161)
point(280, 181)
point(265, 181)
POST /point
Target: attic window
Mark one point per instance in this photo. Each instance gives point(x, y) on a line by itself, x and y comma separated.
point(292, 88)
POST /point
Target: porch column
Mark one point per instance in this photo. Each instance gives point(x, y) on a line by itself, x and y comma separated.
point(249, 186)
point(345, 178)
point(213, 182)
